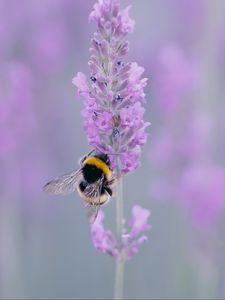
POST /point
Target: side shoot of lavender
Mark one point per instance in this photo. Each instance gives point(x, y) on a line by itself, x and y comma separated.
point(113, 112)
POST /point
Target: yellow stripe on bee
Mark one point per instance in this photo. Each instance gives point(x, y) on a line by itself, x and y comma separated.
point(98, 163)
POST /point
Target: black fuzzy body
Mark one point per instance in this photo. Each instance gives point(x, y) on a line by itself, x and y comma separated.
point(91, 173)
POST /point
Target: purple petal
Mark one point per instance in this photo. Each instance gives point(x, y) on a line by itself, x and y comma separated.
point(102, 239)
point(130, 160)
point(139, 221)
point(80, 82)
point(127, 24)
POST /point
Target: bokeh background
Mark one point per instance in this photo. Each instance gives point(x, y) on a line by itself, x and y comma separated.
point(45, 245)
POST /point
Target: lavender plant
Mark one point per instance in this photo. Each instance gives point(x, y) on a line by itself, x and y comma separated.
point(114, 95)
point(188, 172)
point(113, 113)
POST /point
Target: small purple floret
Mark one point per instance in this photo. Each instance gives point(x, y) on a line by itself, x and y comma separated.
point(131, 240)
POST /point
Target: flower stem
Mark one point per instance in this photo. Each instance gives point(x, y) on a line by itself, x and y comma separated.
point(119, 207)
point(119, 276)
point(119, 279)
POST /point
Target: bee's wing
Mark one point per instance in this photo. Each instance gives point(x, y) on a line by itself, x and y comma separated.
point(95, 192)
point(64, 184)
point(92, 212)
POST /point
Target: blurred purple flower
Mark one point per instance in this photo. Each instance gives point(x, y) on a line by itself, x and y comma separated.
point(177, 78)
point(114, 95)
point(181, 144)
point(17, 119)
point(128, 246)
point(178, 153)
point(190, 19)
point(177, 81)
point(49, 43)
point(203, 190)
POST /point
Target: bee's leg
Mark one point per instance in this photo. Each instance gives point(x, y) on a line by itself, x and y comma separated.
point(112, 183)
point(82, 159)
point(112, 189)
point(113, 192)
point(113, 180)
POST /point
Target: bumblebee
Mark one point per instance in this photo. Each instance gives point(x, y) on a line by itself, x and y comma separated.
point(94, 182)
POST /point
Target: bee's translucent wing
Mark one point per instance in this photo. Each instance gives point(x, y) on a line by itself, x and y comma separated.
point(94, 191)
point(64, 184)
point(92, 212)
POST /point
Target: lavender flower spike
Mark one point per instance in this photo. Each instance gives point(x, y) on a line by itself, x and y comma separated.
point(113, 113)
point(114, 94)
point(105, 241)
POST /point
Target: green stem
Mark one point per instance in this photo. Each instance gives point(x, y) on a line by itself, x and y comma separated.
point(119, 276)
point(119, 279)
point(119, 207)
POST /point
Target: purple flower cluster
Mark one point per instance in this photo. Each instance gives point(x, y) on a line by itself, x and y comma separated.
point(177, 77)
point(17, 119)
point(187, 172)
point(131, 240)
point(115, 92)
point(203, 190)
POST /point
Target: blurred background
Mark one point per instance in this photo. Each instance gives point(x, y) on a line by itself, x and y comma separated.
point(45, 245)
